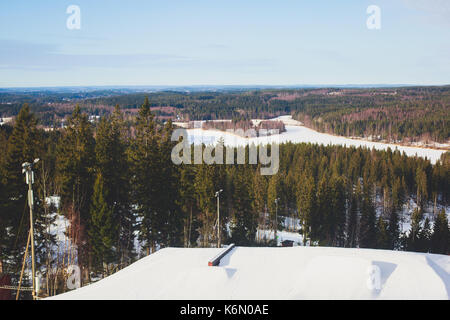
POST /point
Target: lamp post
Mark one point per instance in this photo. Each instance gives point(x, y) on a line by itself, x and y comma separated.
point(276, 219)
point(218, 217)
point(27, 169)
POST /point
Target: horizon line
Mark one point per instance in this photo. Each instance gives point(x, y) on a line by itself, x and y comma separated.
point(349, 85)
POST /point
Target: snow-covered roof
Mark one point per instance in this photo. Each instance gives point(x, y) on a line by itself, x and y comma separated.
point(277, 273)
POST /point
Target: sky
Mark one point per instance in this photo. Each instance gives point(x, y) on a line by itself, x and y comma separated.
point(218, 42)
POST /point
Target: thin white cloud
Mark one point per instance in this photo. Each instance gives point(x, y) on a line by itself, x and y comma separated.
point(434, 10)
point(45, 57)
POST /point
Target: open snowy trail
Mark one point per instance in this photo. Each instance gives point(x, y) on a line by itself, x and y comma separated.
point(297, 133)
point(277, 273)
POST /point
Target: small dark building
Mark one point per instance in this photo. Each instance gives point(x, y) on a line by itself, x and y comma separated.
point(5, 294)
point(287, 243)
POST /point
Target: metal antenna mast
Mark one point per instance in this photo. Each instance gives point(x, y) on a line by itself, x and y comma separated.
point(27, 169)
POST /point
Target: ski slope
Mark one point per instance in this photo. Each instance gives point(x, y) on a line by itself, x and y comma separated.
point(276, 273)
point(297, 133)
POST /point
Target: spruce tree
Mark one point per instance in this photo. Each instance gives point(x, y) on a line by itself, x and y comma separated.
point(23, 146)
point(259, 193)
point(352, 223)
point(306, 203)
point(425, 236)
point(245, 220)
point(75, 168)
point(323, 222)
point(413, 239)
point(208, 181)
point(337, 221)
point(394, 215)
point(144, 166)
point(188, 204)
point(273, 193)
point(367, 232)
point(383, 241)
point(102, 229)
point(169, 213)
point(440, 240)
point(422, 188)
point(112, 164)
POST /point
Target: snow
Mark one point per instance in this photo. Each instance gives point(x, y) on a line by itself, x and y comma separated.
point(53, 200)
point(276, 273)
point(281, 236)
point(296, 133)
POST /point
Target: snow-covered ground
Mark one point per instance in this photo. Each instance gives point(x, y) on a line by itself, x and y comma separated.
point(297, 133)
point(281, 236)
point(277, 273)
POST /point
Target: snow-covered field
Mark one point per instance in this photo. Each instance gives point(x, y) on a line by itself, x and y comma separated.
point(277, 273)
point(297, 133)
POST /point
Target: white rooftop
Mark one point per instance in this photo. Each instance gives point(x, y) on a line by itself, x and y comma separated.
point(277, 273)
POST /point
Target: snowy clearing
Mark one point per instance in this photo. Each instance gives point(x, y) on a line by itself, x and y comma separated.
point(265, 234)
point(276, 273)
point(296, 133)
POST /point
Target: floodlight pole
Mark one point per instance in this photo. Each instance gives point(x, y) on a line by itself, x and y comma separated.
point(218, 217)
point(276, 219)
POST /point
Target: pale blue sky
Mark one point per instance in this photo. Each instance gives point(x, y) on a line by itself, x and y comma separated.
point(218, 42)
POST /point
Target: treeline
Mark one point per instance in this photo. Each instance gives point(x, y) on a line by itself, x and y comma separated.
point(357, 197)
point(391, 121)
point(409, 114)
point(124, 197)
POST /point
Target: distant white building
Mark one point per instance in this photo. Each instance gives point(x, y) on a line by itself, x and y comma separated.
point(5, 120)
point(94, 118)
